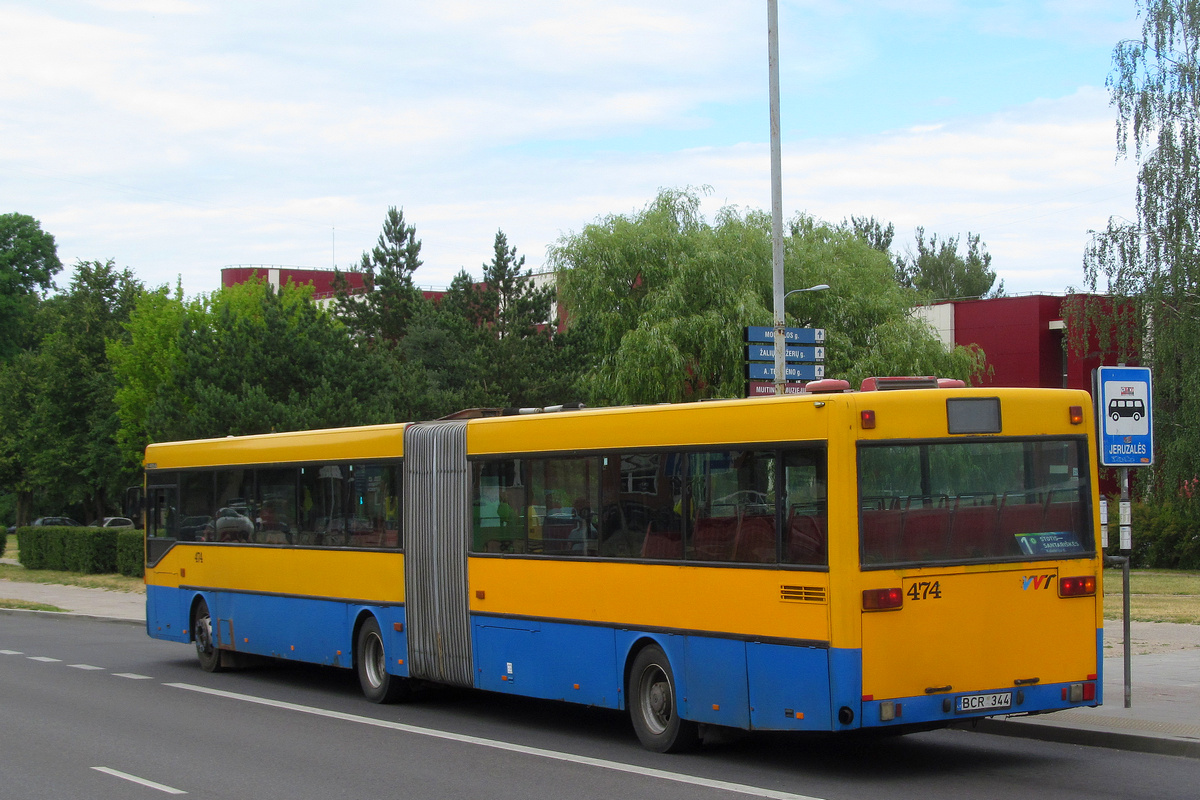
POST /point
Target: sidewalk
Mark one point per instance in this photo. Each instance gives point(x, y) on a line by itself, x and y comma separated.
point(1164, 719)
point(128, 606)
point(1165, 713)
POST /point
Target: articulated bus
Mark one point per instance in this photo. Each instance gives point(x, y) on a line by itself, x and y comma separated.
point(901, 557)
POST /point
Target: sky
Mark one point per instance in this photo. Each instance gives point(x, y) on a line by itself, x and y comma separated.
point(178, 137)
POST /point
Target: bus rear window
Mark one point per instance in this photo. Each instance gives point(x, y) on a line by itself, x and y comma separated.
point(958, 502)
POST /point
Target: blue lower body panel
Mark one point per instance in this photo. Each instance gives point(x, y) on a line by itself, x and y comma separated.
point(295, 628)
point(718, 680)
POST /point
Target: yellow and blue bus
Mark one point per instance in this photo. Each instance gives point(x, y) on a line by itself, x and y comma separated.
point(900, 557)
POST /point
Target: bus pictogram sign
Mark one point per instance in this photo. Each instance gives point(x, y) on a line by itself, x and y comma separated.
point(1123, 416)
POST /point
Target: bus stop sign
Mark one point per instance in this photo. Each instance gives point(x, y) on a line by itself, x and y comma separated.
point(1123, 416)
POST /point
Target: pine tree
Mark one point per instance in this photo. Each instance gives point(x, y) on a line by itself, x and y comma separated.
point(382, 312)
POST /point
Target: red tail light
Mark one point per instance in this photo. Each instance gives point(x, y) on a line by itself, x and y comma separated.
point(882, 599)
point(1082, 586)
point(868, 419)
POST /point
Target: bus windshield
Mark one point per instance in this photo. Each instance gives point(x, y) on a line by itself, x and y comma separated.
point(965, 501)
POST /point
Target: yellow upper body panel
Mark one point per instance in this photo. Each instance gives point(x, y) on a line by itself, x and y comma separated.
point(355, 575)
point(679, 425)
point(742, 602)
point(333, 444)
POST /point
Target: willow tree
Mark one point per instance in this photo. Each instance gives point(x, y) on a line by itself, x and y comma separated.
point(663, 296)
point(1150, 266)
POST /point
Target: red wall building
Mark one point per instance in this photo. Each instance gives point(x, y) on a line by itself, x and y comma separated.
point(1022, 338)
point(320, 279)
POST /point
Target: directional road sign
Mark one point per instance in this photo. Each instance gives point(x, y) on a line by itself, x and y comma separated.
point(761, 333)
point(1123, 416)
point(767, 388)
point(763, 371)
point(766, 352)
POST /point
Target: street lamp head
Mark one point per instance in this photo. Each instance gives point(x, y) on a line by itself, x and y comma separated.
point(818, 288)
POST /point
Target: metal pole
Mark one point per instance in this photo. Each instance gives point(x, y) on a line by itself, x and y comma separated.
point(1128, 650)
point(776, 193)
point(1127, 551)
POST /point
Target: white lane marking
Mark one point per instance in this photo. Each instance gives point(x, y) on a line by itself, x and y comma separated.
point(133, 676)
point(83, 666)
point(554, 755)
point(141, 781)
point(11, 653)
point(46, 659)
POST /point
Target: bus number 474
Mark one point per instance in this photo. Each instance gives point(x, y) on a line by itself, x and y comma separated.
point(925, 590)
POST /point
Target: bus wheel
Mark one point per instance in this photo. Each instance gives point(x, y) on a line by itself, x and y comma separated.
point(652, 705)
point(370, 660)
point(202, 631)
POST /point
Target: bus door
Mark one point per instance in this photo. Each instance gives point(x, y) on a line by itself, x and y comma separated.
point(162, 521)
point(963, 548)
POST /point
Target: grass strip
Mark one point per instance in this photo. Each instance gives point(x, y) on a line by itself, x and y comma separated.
point(27, 605)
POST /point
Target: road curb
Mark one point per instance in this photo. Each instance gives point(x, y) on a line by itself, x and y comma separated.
point(1137, 743)
point(141, 623)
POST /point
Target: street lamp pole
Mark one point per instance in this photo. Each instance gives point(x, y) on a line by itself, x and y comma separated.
point(776, 191)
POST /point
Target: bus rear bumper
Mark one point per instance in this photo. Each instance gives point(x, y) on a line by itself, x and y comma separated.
point(943, 709)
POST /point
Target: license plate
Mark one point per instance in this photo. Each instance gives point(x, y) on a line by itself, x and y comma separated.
point(969, 703)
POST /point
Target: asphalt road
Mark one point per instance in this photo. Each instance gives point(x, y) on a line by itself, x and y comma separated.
point(94, 709)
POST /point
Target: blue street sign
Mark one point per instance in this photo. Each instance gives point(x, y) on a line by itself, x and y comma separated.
point(762, 371)
point(761, 333)
point(766, 352)
point(1123, 416)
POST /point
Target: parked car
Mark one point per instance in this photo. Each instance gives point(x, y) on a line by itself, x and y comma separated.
point(112, 522)
point(62, 522)
point(65, 522)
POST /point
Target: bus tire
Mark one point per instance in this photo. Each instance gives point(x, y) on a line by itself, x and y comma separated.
point(370, 661)
point(653, 706)
point(202, 634)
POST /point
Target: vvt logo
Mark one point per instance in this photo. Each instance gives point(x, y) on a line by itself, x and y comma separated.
point(1036, 582)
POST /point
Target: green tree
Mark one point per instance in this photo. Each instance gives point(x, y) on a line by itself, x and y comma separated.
point(253, 360)
point(28, 264)
point(663, 296)
point(493, 342)
point(872, 231)
point(381, 313)
point(60, 418)
point(143, 360)
point(938, 271)
point(866, 314)
point(1150, 266)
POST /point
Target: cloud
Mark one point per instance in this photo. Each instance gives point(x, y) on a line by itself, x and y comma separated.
point(179, 137)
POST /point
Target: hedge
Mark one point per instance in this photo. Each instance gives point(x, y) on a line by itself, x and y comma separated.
point(88, 550)
point(130, 554)
point(1166, 536)
point(3, 540)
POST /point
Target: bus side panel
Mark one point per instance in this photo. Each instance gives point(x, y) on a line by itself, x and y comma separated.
point(716, 682)
point(789, 687)
point(555, 661)
point(167, 613)
point(582, 664)
point(507, 656)
point(846, 677)
point(295, 628)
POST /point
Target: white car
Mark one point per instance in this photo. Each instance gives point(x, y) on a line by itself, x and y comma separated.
point(112, 522)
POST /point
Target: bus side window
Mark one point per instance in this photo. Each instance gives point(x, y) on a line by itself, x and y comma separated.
point(499, 507)
point(806, 533)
